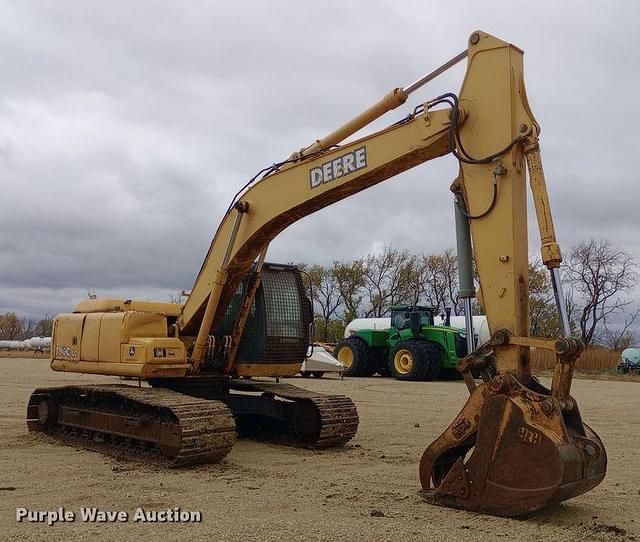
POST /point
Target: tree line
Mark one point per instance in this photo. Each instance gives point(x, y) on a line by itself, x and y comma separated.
point(14, 328)
point(598, 280)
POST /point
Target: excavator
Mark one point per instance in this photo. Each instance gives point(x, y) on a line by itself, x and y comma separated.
point(209, 364)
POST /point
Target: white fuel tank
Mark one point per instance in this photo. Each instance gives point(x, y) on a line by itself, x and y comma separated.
point(40, 343)
point(480, 325)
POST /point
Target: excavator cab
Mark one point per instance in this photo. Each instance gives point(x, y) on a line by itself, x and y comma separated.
point(278, 323)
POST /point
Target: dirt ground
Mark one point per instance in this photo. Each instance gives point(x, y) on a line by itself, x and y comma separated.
point(270, 492)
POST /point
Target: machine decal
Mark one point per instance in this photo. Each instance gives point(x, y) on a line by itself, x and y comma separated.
point(338, 167)
point(460, 427)
point(527, 435)
point(66, 352)
point(132, 351)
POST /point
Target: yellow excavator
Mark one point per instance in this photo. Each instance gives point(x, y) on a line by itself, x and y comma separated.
point(515, 447)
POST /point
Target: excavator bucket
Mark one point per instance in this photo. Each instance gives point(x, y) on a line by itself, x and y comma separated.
point(512, 450)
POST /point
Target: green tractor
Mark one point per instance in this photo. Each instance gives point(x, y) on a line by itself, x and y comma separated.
point(413, 348)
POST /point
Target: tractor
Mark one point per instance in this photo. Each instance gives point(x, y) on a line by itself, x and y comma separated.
point(412, 348)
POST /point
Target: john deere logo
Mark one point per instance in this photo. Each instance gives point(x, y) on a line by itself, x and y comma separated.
point(338, 167)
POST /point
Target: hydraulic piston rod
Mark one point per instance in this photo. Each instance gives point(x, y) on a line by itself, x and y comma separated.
point(465, 278)
point(393, 99)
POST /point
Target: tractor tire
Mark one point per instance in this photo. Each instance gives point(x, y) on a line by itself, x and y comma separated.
point(415, 360)
point(378, 361)
point(355, 355)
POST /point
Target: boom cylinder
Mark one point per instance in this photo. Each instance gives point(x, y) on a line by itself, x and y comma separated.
point(216, 290)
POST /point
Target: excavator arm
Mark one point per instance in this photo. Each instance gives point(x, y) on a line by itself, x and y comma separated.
point(515, 446)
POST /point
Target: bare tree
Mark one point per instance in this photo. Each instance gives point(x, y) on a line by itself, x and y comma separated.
point(543, 313)
point(415, 277)
point(386, 277)
point(441, 287)
point(600, 274)
point(325, 293)
point(435, 282)
point(350, 279)
point(623, 336)
point(11, 327)
point(450, 270)
point(28, 328)
point(44, 327)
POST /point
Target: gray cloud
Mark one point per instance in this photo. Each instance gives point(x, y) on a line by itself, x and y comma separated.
point(126, 128)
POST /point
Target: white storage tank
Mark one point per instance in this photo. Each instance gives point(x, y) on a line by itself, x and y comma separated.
point(480, 325)
point(40, 343)
point(630, 358)
point(13, 345)
point(378, 324)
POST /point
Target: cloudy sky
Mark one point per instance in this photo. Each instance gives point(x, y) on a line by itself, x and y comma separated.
point(126, 127)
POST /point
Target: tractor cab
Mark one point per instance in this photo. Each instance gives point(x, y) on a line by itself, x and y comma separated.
point(411, 316)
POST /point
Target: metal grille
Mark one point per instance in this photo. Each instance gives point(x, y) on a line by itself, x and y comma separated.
point(287, 315)
point(277, 329)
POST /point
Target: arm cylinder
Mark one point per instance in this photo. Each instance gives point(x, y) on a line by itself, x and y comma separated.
point(465, 252)
point(550, 250)
point(465, 272)
point(551, 255)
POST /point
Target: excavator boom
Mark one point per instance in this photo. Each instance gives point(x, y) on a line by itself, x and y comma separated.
point(516, 446)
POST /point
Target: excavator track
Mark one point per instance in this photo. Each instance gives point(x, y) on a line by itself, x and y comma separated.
point(320, 420)
point(277, 412)
point(156, 426)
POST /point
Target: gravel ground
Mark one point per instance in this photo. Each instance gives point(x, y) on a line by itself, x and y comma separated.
point(270, 492)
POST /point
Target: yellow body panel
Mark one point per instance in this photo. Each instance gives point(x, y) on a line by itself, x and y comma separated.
point(67, 334)
point(131, 343)
point(89, 346)
point(135, 370)
point(110, 336)
point(143, 324)
point(123, 305)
